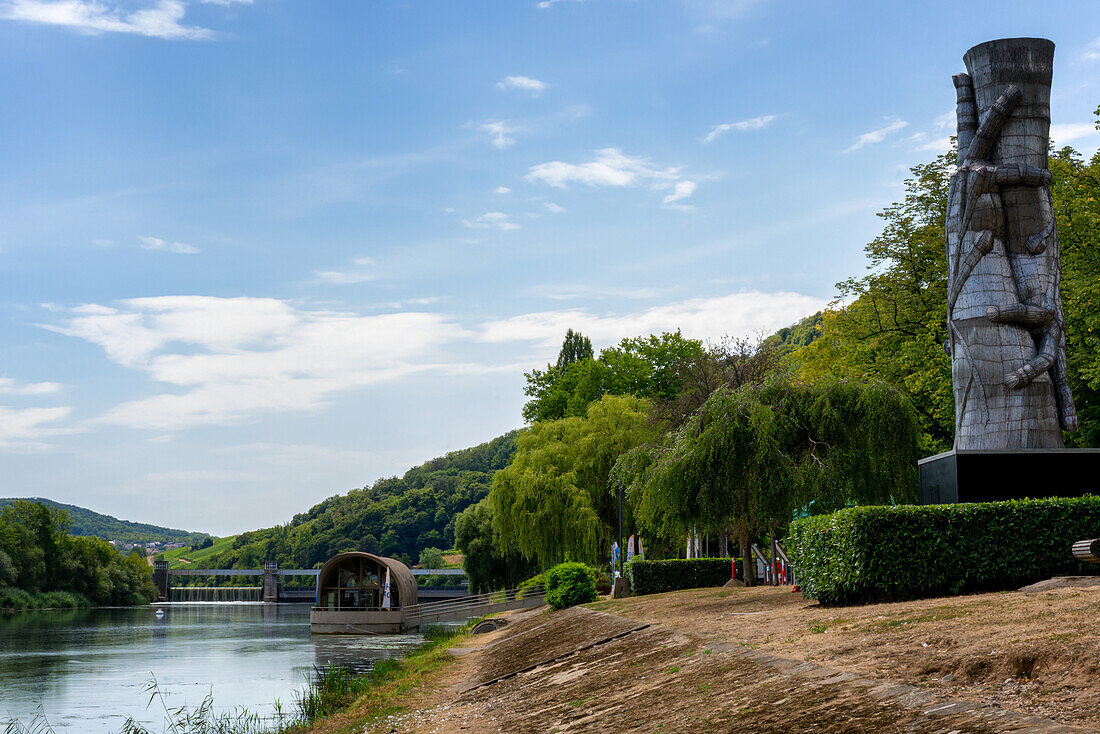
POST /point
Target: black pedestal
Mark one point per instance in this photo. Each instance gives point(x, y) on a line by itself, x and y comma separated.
point(992, 476)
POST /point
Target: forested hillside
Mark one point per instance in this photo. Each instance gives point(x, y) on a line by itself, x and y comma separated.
point(396, 517)
point(93, 524)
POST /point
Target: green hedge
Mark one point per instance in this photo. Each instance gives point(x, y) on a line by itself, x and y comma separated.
point(652, 577)
point(569, 584)
point(866, 554)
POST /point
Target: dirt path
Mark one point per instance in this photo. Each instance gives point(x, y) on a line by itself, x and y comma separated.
point(679, 663)
point(1036, 651)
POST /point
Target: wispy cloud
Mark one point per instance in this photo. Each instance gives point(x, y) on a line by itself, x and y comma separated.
point(491, 220)
point(1067, 132)
point(1092, 51)
point(613, 168)
point(681, 191)
point(876, 136)
point(502, 190)
point(159, 20)
point(740, 314)
point(524, 84)
point(500, 133)
point(362, 271)
point(554, 208)
point(229, 360)
point(9, 386)
point(22, 429)
point(156, 243)
point(755, 123)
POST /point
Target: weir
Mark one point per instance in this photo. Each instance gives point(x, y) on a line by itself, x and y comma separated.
point(274, 588)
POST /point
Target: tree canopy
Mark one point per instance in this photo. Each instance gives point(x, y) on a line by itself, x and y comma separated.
point(552, 502)
point(753, 456)
point(645, 367)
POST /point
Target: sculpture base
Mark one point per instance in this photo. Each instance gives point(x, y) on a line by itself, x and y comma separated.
point(977, 475)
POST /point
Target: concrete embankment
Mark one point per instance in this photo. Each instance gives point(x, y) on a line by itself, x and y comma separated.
point(587, 670)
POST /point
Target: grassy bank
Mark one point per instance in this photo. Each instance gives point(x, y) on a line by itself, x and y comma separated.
point(338, 703)
point(17, 600)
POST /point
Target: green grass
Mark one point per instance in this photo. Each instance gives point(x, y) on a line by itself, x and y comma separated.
point(175, 557)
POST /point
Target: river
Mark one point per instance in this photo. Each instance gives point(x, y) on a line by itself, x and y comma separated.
point(88, 668)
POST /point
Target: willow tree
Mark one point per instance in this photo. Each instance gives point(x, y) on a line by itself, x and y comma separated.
point(552, 502)
point(753, 456)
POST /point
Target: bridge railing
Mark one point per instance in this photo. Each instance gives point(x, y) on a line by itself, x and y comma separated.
point(455, 609)
point(471, 606)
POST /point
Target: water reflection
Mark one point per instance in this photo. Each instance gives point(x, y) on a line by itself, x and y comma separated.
point(88, 667)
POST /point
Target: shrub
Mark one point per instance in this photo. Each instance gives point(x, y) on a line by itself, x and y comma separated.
point(866, 554)
point(16, 599)
point(569, 584)
point(61, 600)
point(652, 577)
point(526, 586)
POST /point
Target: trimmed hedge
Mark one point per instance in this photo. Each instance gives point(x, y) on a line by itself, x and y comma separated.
point(868, 554)
point(652, 577)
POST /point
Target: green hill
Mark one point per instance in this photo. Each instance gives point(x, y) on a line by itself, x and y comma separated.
point(397, 517)
point(87, 522)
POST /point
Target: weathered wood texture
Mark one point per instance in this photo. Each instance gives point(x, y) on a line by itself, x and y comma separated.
point(1005, 321)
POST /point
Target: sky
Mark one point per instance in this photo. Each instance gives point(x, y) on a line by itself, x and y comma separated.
point(254, 253)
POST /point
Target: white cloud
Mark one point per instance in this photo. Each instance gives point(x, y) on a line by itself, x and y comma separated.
point(227, 2)
point(681, 191)
point(523, 83)
point(755, 123)
point(156, 243)
point(876, 136)
point(554, 208)
point(946, 121)
point(8, 386)
point(21, 429)
point(1092, 51)
point(740, 314)
point(361, 272)
point(159, 20)
point(500, 132)
point(610, 168)
point(1064, 133)
point(491, 220)
point(229, 360)
point(502, 190)
point(614, 168)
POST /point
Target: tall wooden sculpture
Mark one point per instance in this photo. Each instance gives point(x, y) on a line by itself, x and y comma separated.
point(1004, 309)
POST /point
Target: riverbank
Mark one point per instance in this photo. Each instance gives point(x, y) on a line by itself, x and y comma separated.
point(766, 660)
point(17, 600)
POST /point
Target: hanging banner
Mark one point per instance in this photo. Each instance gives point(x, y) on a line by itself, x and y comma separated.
point(630, 549)
point(386, 592)
point(641, 553)
point(615, 556)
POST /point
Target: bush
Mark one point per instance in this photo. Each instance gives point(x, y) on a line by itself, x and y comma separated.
point(526, 586)
point(867, 554)
point(652, 577)
point(16, 599)
point(569, 584)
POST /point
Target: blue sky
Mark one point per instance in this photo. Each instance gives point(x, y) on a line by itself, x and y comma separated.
point(253, 254)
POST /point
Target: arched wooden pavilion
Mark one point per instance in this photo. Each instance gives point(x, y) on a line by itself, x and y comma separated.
point(350, 595)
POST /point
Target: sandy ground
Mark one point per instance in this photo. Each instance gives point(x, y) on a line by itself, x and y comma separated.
point(766, 660)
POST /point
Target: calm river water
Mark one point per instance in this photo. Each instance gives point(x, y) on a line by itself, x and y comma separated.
point(88, 668)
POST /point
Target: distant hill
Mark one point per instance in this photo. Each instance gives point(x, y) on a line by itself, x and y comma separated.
point(86, 522)
point(797, 335)
point(396, 517)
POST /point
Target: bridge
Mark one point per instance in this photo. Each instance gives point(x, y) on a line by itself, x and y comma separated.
point(273, 589)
